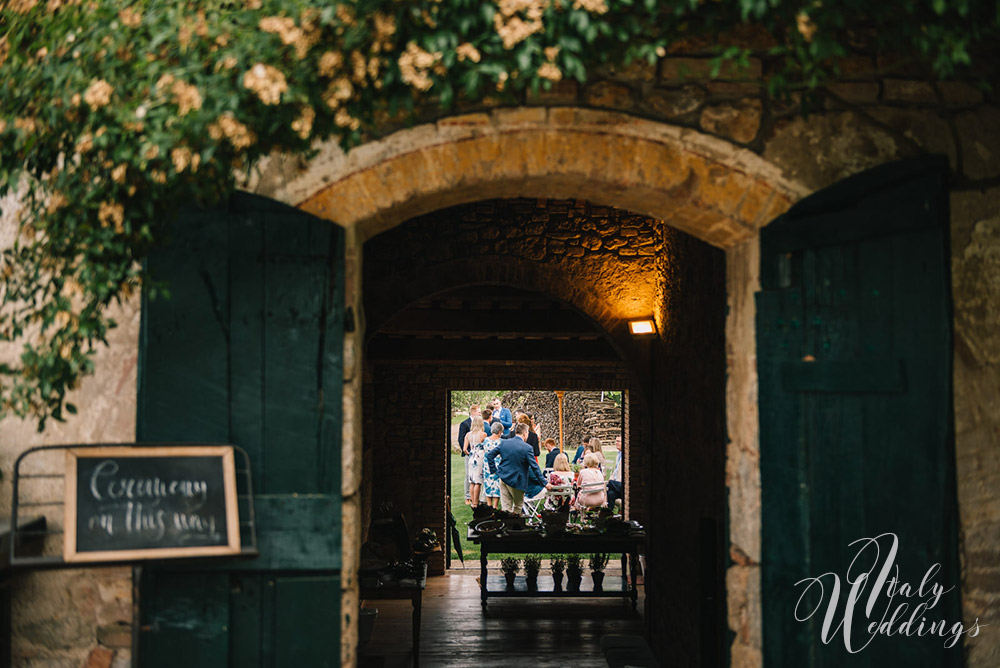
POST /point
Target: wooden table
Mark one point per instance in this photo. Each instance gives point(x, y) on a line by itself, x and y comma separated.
point(395, 590)
point(628, 546)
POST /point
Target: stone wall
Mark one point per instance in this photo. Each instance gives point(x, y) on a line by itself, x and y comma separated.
point(604, 261)
point(584, 413)
point(975, 252)
point(67, 617)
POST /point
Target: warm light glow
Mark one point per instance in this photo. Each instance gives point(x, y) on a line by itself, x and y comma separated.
point(638, 327)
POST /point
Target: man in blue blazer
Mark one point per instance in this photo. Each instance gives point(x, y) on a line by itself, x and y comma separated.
point(518, 470)
point(503, 415)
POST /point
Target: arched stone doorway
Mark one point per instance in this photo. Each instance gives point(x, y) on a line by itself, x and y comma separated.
point(708, 188)
point(609, 265)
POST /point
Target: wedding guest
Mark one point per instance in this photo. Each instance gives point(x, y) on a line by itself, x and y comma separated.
point(474, 453)
point(518, 471)
point(550, 459)
point(591, 475)
point(491, 481)
point(488, 420)
point(560, 475)
point(532, 438)
point(503, 415)
point(581, 451)
point(537, 428)
point(595, 447)
point(463, 430)
point(616, 490)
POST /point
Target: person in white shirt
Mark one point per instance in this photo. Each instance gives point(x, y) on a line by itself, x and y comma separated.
point(616, 490)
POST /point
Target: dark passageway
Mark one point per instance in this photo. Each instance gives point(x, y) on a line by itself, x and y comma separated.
point(537, 294)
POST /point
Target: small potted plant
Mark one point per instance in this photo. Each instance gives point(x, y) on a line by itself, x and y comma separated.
point(510, 567)
point(532, 564)
point(554, 521)
point(597, 563)
point(558, 565)
point(574, 572)
point(601, 517)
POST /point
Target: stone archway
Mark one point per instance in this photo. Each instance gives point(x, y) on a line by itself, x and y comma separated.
point(699, 184)
point(717, 192)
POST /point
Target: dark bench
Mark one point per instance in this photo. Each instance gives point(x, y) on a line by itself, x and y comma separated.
point(624, 650)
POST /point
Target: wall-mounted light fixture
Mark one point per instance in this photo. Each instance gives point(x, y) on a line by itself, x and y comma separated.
point(643, 327)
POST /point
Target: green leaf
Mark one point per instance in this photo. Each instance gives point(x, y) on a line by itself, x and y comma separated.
point(447, 95)
point(523, 57)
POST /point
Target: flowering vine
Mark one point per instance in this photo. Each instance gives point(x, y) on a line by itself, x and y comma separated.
point(113, 114)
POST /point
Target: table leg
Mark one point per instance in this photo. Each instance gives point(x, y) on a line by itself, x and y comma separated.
point(482, 574)
point(625, 578)
point(634, 576)
point(417, 604)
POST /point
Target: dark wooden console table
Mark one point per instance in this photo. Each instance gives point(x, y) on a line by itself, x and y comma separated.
point(627, 546)
point(397, 590)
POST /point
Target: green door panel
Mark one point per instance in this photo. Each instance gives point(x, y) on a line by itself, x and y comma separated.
point(307, 622)
point(247, 350)
point(297, 532)
point(297, 619)
point(856, 435)
point(185, 620)
point(184, 370)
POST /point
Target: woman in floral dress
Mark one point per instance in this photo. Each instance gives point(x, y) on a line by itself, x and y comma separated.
point(491, 481)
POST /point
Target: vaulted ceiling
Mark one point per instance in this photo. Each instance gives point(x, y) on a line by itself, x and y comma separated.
point(489, 323)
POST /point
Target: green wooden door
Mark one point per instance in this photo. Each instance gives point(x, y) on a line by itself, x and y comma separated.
point(248, 350)
point(856, 436)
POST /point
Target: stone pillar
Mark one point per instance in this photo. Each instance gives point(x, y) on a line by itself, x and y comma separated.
point(742, 457)
point(351, 453)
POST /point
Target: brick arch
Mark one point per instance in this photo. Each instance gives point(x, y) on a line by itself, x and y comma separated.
point(702, 185)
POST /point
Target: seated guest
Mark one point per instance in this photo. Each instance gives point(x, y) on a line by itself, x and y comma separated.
point(561, 475)
point(590, 475)
point(581, 451)
point(595, 447)
point(550, 459)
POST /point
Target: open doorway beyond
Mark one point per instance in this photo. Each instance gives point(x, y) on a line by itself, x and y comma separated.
point(560, 422)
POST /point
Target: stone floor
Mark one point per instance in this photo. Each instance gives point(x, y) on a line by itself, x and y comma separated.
point(513, 632)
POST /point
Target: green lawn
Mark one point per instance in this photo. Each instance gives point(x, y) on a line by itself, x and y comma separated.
point(463, 513)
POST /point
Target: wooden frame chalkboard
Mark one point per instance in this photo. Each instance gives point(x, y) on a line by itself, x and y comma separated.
point(129, 503)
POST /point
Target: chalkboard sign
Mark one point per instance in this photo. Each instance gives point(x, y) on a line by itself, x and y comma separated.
point(125, 503)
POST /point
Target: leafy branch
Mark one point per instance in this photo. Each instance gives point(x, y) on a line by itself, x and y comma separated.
point(111, 116)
